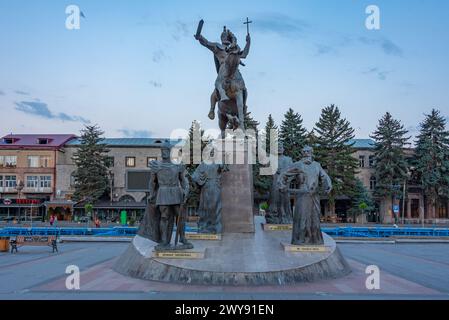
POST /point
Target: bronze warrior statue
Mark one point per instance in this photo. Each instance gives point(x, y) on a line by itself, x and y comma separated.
point(168, 191)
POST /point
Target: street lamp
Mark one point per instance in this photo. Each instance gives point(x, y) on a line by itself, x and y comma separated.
point(19, 187)
point(408, 177)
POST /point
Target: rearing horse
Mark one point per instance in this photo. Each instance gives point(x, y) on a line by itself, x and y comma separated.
point(231, 93)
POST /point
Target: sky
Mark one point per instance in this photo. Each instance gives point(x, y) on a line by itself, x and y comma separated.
point(135, 69)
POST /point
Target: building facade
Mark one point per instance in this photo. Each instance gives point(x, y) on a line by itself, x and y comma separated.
point(28, 172)
point(128, 173)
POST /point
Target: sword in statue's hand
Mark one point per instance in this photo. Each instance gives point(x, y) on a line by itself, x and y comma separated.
point(199, 29)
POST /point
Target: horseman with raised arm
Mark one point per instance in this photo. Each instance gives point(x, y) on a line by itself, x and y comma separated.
point(230, 90)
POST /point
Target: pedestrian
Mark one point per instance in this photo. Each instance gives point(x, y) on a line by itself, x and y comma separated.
point(52, 220)
point(97, 222)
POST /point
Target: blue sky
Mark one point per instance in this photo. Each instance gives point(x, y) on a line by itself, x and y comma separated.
point(135, 69)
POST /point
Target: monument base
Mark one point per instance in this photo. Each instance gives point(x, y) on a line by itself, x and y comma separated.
point(240, 259)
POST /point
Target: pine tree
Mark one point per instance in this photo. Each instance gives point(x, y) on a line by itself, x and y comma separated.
point(333, 149)
point(270, 125)
point(91, 160)
point(390, 162)
point(292, 134)
point(361, 200)
point(432, 157)
point(196, 132)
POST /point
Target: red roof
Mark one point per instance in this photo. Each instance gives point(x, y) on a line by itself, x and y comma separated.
point(39, 141)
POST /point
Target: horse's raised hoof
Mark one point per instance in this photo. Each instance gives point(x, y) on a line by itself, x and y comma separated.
point(211, 115)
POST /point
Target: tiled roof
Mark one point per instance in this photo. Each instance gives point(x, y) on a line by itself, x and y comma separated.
point(362, 143)
point(32, 140)
point(130, 142)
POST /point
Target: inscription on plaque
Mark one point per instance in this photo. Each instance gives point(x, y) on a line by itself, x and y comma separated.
point(276, 227)
point(178, 255)
point(203, 236)
point(293, 248)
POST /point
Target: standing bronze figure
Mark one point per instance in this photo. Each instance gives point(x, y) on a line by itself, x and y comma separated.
point(208, 177)
point(306, 220)
point(168, 190)
point(280, 211)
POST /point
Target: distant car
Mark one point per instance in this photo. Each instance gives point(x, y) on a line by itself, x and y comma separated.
point(8, 219)
point(83, 219)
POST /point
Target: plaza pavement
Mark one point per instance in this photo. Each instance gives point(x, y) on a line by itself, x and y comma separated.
point(407, 271)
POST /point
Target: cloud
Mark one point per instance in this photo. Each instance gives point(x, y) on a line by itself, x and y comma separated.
point(158, 56)
point(387, 46)
point(181, 30)
point(127, 133)
point(280, 24)
point(22, 93)
point(381, 75)
point(41, 109)
point(155, 84)
point(2, 93)
point(324, 49)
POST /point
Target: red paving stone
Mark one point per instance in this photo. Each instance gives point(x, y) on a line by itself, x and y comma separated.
point(102, 278)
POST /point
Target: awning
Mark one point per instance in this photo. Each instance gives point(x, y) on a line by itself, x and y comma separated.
point(66, 204)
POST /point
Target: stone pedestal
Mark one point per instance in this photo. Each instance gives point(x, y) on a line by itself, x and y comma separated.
point(237, 199)
point(237, 187)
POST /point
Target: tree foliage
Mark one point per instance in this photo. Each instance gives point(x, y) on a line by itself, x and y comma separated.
point(91, 160)
point(432, 156)
point(292, 134)
point(333, 148)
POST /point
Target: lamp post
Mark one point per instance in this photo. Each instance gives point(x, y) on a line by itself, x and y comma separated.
point(395, 188)
point(19, 187)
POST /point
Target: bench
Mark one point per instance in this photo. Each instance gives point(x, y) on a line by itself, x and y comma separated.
point(21, 241)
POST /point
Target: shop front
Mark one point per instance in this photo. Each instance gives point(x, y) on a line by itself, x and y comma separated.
point(20, 210)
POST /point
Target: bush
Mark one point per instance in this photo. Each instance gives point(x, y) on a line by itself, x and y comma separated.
point(264, 206)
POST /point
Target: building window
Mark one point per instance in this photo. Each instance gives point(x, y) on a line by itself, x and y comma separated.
point(150, 159)
point(10, 181)
point(372, 183)
point(1, 181)
point(43, 141)
point(33, 161)
point(45, 161)
point(45, 181)
point(32, 181)
point(372, 161)
point(130, 162)
point(362, 161)
point(8, 161)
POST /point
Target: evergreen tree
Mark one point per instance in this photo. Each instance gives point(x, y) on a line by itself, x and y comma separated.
point(432, 157)
point(361, 200)
point(293, 134)
point(270, 125)
point(333, 149)
point(390, 162)
point(196, 132)
point(91, 160)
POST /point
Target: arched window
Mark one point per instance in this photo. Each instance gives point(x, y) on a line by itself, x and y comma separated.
point(127, 198)
point(372, 183)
